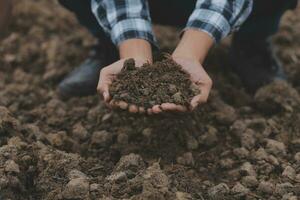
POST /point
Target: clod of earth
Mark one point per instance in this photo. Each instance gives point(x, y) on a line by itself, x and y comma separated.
point(153, 84)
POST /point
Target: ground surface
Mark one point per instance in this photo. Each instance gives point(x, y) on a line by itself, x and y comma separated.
point(234, 147)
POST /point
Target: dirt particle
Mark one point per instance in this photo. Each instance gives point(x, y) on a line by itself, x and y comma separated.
point(147, 132)
point(155, 184)
point(156, 177)
point(101, 139)
point(34, 132)
point(183, 196)
point(79, 132)
point(129, 64)
point(12, 167)
point(191, 143)
point(225, 113)
point(94, 187)
point(277, 97)
point(297, 157)
point(7, 121)
point(238, 128)
point(247, 139)
point(283, 188)
point(131, 162)
point(250, 181)
point(186, 159)
point(4, 182)
point(241, 153)
point(209, 138)
point(57, 139)
point(172, 88)
point(219, 191)
point(239, 190)
point(195, 89)
point(107, 117)
point(226, 163)
point(275, 147)
point(297, 178)
point(76, 189)
point(289, 173)
point(117, 177)
point(74, 174)
point(266, 187)
point(289, 196)
point(247, 169)
point(122, 139)
point(260, 154)
point(273, 160)
point(177, 98)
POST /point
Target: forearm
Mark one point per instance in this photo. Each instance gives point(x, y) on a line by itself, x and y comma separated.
point(5, 12)
point(194, 44)
point(136, 48)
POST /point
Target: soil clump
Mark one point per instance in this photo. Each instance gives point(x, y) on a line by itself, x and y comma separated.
point(153, 84)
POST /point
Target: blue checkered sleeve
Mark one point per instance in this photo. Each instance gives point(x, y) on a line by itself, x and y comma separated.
point(219, 18)
point(124, 19)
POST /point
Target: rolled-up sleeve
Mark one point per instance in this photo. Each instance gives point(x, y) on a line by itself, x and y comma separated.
point(124, 19)
point(219, 18)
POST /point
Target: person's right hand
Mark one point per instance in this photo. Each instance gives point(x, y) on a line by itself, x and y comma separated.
point(107, 75)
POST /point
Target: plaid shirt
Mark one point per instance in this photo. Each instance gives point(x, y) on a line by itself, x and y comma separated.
point(127, 19)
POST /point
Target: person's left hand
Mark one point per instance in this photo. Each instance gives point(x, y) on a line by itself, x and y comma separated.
point(199, 77)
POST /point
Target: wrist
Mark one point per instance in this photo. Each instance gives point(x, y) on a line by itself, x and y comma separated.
point(137, 49)
point(194, 44)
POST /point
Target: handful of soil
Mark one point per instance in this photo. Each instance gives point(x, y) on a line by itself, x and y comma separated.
point(153, 84)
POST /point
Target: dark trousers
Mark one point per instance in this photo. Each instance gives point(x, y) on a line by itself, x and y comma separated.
point(262, 23)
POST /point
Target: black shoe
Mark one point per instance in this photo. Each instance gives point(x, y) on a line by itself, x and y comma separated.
point(255, 63)
point(84, 79)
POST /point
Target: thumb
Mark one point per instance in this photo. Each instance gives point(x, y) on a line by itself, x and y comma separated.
point(106, 96)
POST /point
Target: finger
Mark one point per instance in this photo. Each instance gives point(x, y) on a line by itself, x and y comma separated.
point(168, 106)
point(200, 99)
point(156, 109)
point(103, 89)
point(119, 104)
point(149, 111)
point(122, 104)
point(142, 110)
point(103, 85)
point(133, 109)
point(112, 104)
point(173, 107)
point(108, 104)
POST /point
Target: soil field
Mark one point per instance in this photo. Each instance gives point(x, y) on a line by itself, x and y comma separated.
point(237, 146)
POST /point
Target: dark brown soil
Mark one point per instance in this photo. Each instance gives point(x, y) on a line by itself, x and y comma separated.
point(234, 147)
point(153, 84)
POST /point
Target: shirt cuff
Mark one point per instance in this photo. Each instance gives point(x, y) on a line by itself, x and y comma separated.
point(211, 22)
point(134, 28)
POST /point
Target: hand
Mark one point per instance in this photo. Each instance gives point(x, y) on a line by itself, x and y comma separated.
point(140, 51)
point(190, 53)
point(199, 77)
point(107, 75)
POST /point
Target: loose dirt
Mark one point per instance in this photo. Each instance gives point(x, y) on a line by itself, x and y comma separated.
point(234, 147)
point(153, 84)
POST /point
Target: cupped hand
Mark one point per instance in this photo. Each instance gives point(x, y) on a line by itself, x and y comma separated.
point(107, 76)
point(199, 77)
